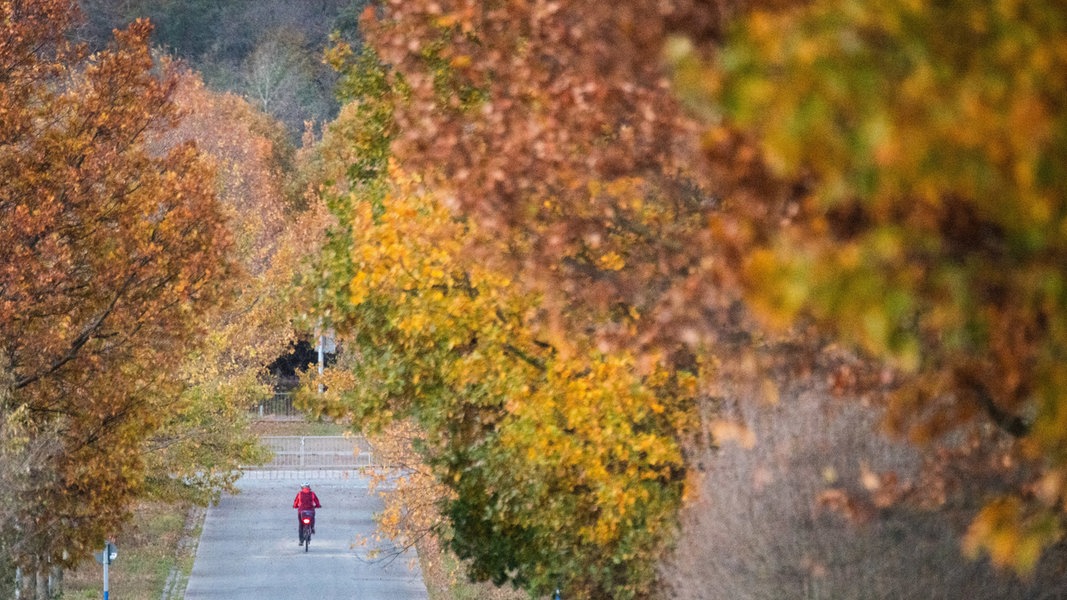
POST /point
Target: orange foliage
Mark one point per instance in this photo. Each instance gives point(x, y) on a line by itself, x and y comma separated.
point(109, 252)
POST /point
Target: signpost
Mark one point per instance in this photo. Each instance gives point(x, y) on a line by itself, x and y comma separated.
point(105, 558)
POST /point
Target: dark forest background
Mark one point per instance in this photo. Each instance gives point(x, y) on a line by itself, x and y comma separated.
point(268, 51)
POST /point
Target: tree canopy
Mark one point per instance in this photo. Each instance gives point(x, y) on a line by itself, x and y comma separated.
point(877, 176)
point(923, 143)
point(146, 228)
point(565, 237)
point(110, 251)
point(266, 50)
point(198, 450)
point(561, 466)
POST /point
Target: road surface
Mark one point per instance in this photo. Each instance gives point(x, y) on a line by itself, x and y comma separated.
point(248, 549)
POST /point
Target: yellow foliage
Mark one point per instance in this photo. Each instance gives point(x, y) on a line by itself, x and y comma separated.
point(1011, 535)
point(611, 261)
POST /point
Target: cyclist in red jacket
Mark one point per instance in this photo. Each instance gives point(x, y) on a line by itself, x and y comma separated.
point(305, 500)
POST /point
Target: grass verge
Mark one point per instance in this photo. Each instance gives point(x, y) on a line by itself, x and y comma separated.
point(286, 427)
point(148, 549)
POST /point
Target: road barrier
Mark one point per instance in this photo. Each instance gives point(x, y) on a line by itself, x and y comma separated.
point(318, 452)
point(280, 405)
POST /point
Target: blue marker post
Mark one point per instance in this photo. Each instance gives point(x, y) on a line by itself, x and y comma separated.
point(105, 558)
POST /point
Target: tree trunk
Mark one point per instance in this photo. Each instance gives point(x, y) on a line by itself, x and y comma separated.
point(55, 582)
point(42, 581)
point(26, 583)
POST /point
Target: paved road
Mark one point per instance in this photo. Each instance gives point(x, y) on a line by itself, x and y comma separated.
point(248, 549)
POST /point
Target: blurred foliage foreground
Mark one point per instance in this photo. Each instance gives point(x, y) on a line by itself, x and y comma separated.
point(571, 236)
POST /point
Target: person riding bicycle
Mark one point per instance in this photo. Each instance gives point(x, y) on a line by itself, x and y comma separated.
point(305, 501)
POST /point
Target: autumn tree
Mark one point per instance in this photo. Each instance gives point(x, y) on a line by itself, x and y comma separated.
point(110, 252)
point(198, 450)
point(560, 470)
point(562, 134)
point(561, 463)
point(883, 175)
point(922, 144)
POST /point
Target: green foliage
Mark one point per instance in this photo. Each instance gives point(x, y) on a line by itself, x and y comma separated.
point(198, 450)
point(563, 470)
point(353, 156)
point(939, 126)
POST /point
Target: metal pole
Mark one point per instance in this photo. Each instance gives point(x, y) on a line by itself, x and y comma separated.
point(321, 356)
point(107, 559)
point(320, 332)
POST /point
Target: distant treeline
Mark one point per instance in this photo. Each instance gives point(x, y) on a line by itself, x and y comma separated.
point(266, 50)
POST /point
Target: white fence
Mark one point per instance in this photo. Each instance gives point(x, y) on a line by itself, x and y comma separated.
point(278, 406)
point(318, 452)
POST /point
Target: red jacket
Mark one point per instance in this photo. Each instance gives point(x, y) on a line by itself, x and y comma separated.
point(306, 499)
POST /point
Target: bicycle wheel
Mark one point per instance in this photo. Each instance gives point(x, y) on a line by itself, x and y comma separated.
point(305, 536)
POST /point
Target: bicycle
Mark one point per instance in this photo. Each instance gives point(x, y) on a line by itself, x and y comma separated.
point(305, 528)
